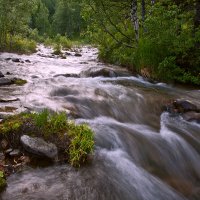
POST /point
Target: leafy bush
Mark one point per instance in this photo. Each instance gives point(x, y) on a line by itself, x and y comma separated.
point(23, 45)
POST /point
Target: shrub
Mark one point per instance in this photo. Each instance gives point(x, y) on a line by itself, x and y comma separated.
point(57, 49)
point(23, 45)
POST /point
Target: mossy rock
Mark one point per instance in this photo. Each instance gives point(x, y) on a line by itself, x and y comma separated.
point(3, 183)
point(19, 82)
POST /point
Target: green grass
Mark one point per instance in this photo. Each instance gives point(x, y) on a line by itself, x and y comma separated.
point(59, 42)
point(75, 141)
point(82, 143)
point(22, 45)
point(57, 49)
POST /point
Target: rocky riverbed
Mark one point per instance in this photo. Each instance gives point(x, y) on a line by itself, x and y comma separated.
point(142, 152)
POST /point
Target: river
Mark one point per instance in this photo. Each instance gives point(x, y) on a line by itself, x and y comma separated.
point(141, 153)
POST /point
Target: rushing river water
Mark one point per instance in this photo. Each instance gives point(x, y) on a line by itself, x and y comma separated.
point(140, 152)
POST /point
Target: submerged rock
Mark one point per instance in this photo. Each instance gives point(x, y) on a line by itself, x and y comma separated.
point(27, 61)
point(77, 55)
point(1, 74)
point(16, 60)
point(39, 147)
point(5, 81)
point(192, 116)
point(68, 75)
point(105, 72)
point(184, 108)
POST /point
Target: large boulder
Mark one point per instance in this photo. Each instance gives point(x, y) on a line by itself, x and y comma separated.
point(186, 109)
point(17, 60)
point(39, 147)
point(183, 106)
point(105, 72)
point(95, 72)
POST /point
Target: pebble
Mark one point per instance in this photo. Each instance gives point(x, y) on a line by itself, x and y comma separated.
point(15, 152)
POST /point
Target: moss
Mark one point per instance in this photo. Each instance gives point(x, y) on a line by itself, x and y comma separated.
point(20, 82)
point(2, 181)
point(8, 109)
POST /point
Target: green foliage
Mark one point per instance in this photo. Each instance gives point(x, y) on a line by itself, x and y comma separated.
point(2, 180)
point(67, 19)
point(20, 82)
point(10, 125)
point(14, 19)
point(57, 49)
point(40, 19)
point(52, 126)
point(168, 45)
point(82, 143)
point(50, 123)
point(21, 45)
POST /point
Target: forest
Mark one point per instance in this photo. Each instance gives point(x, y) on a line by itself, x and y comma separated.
point(159, 39)
point(99, 99)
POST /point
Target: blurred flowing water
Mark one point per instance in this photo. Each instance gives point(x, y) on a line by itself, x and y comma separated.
point(140, 152)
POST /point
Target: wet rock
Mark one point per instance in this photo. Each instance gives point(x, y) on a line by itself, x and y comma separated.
point(8, 100)
point(1, 74)
point(8, 73)
point(14, 153)
point(7, 109)
point(68, 54)
point(191, 116)
point(4, 144)
point(7, 59)
point(2, 157)
point(17, 60)
point(68, 75)
point(195, 194)
point(63, 57)
point(27, 61)
point(77, 55)
point(34, 76)
point(5, 81)
point(183, 106)
point(84, 63)
point(39, 147)
point(105, 72)
point(8, 151)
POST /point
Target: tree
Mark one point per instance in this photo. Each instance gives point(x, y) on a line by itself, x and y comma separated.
point(14, 17)
point(40, 19)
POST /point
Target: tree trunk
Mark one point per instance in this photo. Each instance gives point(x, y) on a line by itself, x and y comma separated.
point(134, 19)
point(143, 10)
point(197, 15)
